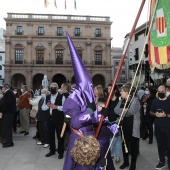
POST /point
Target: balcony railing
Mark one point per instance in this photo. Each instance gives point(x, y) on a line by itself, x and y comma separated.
point(58, 17)
point(57, 62)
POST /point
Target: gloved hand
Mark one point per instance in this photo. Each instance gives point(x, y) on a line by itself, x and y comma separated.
point(113, 128)
point(104, 112)
point(67, 119)
point(91, 107)
point(103, 162)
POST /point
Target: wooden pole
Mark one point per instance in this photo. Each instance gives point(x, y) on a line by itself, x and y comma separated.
point(120, 64)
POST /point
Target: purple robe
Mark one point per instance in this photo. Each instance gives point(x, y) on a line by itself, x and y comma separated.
point(81, 121)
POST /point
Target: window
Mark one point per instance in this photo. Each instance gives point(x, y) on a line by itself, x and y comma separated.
point(18, 56)
point(98, 57)
point(59, 56)
point(77, 31)
point(59, 31)
point(98, 32)
point(136, 54)
point(80, 53)
point(117, 63)
point(123, 71)
point(0, 58)
point(146, 51)
point(40, 30)
point(0, 67)
point(19, 30)
point(39, 56)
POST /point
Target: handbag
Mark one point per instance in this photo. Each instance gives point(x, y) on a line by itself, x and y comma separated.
point(33, 113)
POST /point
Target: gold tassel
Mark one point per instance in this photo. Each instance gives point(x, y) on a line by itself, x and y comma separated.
point(123, 139)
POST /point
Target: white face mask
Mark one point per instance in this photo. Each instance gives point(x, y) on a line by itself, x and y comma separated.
point(167, 94)
point(43, 96)
point(15, 92)
point(146, 92)
point(22, 91)
point(1, 96)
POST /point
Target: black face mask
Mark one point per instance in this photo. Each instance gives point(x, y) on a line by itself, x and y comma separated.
point(53, 90)
point(161, 95)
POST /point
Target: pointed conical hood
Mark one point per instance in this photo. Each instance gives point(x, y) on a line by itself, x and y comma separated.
point(80, 72)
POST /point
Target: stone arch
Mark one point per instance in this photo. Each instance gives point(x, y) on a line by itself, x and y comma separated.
point(17, 79)
point(37, 81)
point(40, 47)
point(98, 79)
point(59, 79)
point(98, 48)
point(59, 46)
point(18, 46)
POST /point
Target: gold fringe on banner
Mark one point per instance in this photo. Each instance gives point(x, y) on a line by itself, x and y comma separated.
point(160, 66)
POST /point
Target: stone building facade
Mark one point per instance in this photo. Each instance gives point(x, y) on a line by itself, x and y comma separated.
point(36, 45)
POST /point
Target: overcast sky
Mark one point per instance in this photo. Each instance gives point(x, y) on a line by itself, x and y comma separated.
point(122, 12)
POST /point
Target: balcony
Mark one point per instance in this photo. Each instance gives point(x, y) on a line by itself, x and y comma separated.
point(57, 62)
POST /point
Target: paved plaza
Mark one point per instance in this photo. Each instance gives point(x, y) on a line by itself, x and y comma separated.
point(26, 155)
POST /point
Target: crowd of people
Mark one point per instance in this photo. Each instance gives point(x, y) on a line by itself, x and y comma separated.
point(142, 111)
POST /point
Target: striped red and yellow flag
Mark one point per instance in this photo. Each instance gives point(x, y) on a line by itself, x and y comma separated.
point(159, 39)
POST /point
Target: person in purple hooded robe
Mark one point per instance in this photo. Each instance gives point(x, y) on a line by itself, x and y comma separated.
point(80, 105)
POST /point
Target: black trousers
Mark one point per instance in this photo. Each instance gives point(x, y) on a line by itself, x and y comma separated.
point(43, 132)
point(162, 135)
point(7, 127)
point(150, 130)
point(132, 144)
point(53, 129)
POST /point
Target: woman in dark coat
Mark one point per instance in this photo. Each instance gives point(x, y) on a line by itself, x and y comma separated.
point(149, 120)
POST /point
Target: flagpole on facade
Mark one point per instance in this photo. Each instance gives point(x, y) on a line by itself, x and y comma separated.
point(120, 64)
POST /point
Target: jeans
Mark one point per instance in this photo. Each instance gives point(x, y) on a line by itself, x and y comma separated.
point(115, 146)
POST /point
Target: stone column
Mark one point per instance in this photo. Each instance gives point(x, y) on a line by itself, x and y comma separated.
point(49, 76)
point(29, 80)
point(28, 56)
point(7, 78)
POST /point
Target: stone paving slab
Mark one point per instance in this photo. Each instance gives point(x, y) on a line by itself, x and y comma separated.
point(26, 155)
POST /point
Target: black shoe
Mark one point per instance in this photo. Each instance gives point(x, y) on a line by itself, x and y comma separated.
point(160, 166)
point(8, 145)
point(34, 137)
point(4, 143)
point(124, 165)
point(21, 132)
point(26, 133)
point(60, 156)
point(150, 142)
point(50, 154)
point(132, 167)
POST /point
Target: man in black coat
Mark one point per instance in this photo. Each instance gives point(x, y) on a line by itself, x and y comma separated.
point(42, 117)
point(55, 124)
point(8, 110)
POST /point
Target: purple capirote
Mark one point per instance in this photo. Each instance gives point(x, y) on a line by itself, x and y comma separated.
point(76, 104)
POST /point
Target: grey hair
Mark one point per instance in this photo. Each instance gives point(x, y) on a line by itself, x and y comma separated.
point(54, 83)
point(168, 80)
point(45, 90)
point(7, 85)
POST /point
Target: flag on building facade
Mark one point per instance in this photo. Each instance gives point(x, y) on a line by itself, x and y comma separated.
point(159, 38)
point(65, 4)
point(75, 5)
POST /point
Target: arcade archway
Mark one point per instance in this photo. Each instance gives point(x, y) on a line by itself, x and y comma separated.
point(37, 81)
point(98, 79)
point(17, 80)
point(59, 79)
